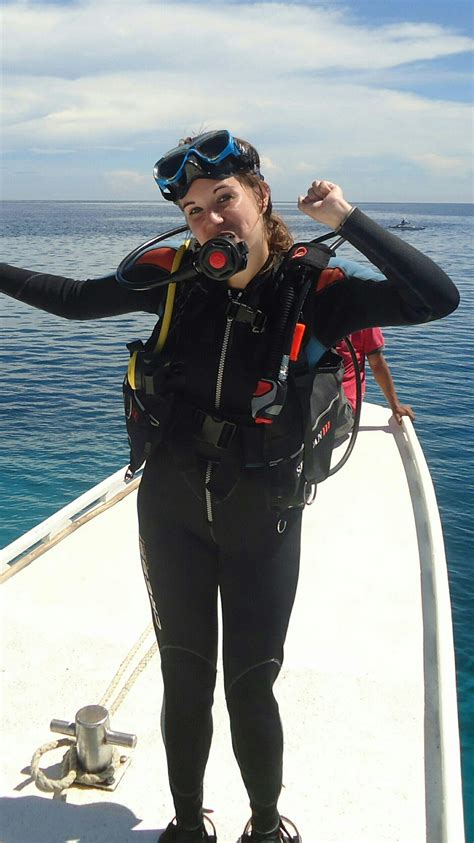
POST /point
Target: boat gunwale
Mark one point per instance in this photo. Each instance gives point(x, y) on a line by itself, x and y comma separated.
point(443, 779)
point(32, 544)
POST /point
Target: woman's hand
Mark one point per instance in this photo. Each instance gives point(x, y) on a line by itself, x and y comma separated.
point(325, 203)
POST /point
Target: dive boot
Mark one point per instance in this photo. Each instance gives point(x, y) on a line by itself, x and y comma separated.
point(174, 834)
point(282, 834)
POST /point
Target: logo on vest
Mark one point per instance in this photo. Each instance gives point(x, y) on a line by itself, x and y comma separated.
point(322, 433)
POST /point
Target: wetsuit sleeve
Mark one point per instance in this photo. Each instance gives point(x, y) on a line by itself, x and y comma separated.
point(415, 289)
point(74, 299)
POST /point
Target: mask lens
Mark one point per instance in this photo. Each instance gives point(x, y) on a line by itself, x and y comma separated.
point(169, 166)
point(214, 145)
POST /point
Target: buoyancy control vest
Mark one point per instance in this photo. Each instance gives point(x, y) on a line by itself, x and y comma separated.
point(154, 409)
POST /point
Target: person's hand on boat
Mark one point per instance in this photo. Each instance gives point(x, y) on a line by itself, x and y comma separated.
point(325, 203)
point(400, 410)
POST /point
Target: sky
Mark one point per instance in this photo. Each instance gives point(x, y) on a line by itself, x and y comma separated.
point(375, 95)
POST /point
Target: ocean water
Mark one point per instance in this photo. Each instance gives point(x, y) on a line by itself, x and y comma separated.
point(61, 427)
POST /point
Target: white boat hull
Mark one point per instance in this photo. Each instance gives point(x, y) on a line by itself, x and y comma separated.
point(367, 692)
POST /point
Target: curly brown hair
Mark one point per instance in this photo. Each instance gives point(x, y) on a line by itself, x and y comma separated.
point(279, 238)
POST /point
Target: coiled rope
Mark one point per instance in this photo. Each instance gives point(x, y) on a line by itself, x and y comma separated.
point(71, 772)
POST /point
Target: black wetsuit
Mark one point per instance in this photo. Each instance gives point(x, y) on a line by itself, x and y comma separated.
point(195, 543)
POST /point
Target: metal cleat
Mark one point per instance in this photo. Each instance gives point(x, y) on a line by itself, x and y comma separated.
point(94, 739)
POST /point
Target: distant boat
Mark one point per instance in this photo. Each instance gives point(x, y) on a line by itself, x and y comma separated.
point(406, 225)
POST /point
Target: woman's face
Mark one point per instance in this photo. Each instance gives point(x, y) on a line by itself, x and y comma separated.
point(216, 207)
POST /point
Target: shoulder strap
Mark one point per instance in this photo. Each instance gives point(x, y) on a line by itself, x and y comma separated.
point(296, 276)
point(170, 297)
point(169, 259)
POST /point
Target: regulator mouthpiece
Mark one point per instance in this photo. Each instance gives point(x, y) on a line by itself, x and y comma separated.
point(222, 257)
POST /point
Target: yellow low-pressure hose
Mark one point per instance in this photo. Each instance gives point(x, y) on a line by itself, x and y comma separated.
point(131, 370)
point(170, 296)
point(166, 320)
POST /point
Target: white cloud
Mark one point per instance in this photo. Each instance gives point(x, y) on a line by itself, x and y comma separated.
point(304, 167)
point(130, 184)
point(441, 164)
point(268, 166)
point(95, 36)
point(132, 78)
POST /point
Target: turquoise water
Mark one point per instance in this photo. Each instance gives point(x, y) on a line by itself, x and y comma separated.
point(61, 428)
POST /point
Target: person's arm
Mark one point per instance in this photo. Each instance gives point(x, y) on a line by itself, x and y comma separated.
point(416, 290)
point(383, 376)
point(73, 299)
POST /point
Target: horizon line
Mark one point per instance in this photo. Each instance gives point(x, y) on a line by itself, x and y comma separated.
point(166, 204)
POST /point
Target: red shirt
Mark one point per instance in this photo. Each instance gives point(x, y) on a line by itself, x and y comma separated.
point(365, 342)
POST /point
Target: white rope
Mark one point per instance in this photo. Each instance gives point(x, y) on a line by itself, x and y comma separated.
point(70, 771)
point(133, 678)
point(123, 667)
point(43, 782)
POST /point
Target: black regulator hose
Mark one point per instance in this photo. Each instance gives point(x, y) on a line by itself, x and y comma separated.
point(218, 259)
point(357, 412)
point(295, 277)
point(286, 304)
point(130, 259)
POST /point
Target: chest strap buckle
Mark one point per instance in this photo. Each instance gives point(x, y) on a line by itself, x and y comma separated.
point(216, 432)
point(243, 313)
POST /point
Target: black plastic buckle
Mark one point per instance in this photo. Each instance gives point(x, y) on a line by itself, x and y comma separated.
point(135, 345)
point(243, 313)
point(216, 432)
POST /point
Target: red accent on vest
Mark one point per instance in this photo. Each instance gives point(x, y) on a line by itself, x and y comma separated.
point(300, 328)
point(163, 257)
point(300, 252)
point(329, 276)
point(262, 388)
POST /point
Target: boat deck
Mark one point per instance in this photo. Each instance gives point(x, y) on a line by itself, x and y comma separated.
point(367, 691)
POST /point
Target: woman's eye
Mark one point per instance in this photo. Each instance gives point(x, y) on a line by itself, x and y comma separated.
point(194, 211)
point(225, 197)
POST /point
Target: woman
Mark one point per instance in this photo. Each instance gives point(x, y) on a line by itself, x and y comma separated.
point(207, 512)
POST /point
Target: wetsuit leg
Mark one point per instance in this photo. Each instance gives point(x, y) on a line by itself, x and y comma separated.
point(180, 565)
point(258, 577)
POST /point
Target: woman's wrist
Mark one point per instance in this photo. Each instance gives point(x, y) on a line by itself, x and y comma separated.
point(345, 217)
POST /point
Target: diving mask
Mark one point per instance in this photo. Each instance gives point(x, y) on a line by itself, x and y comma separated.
point(213, 155)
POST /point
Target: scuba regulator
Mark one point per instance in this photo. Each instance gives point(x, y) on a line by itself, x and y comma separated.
point(222, 257)
point(217, 259)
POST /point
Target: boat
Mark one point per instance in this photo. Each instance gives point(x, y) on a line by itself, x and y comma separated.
point(367, 691)
point(405, 225)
